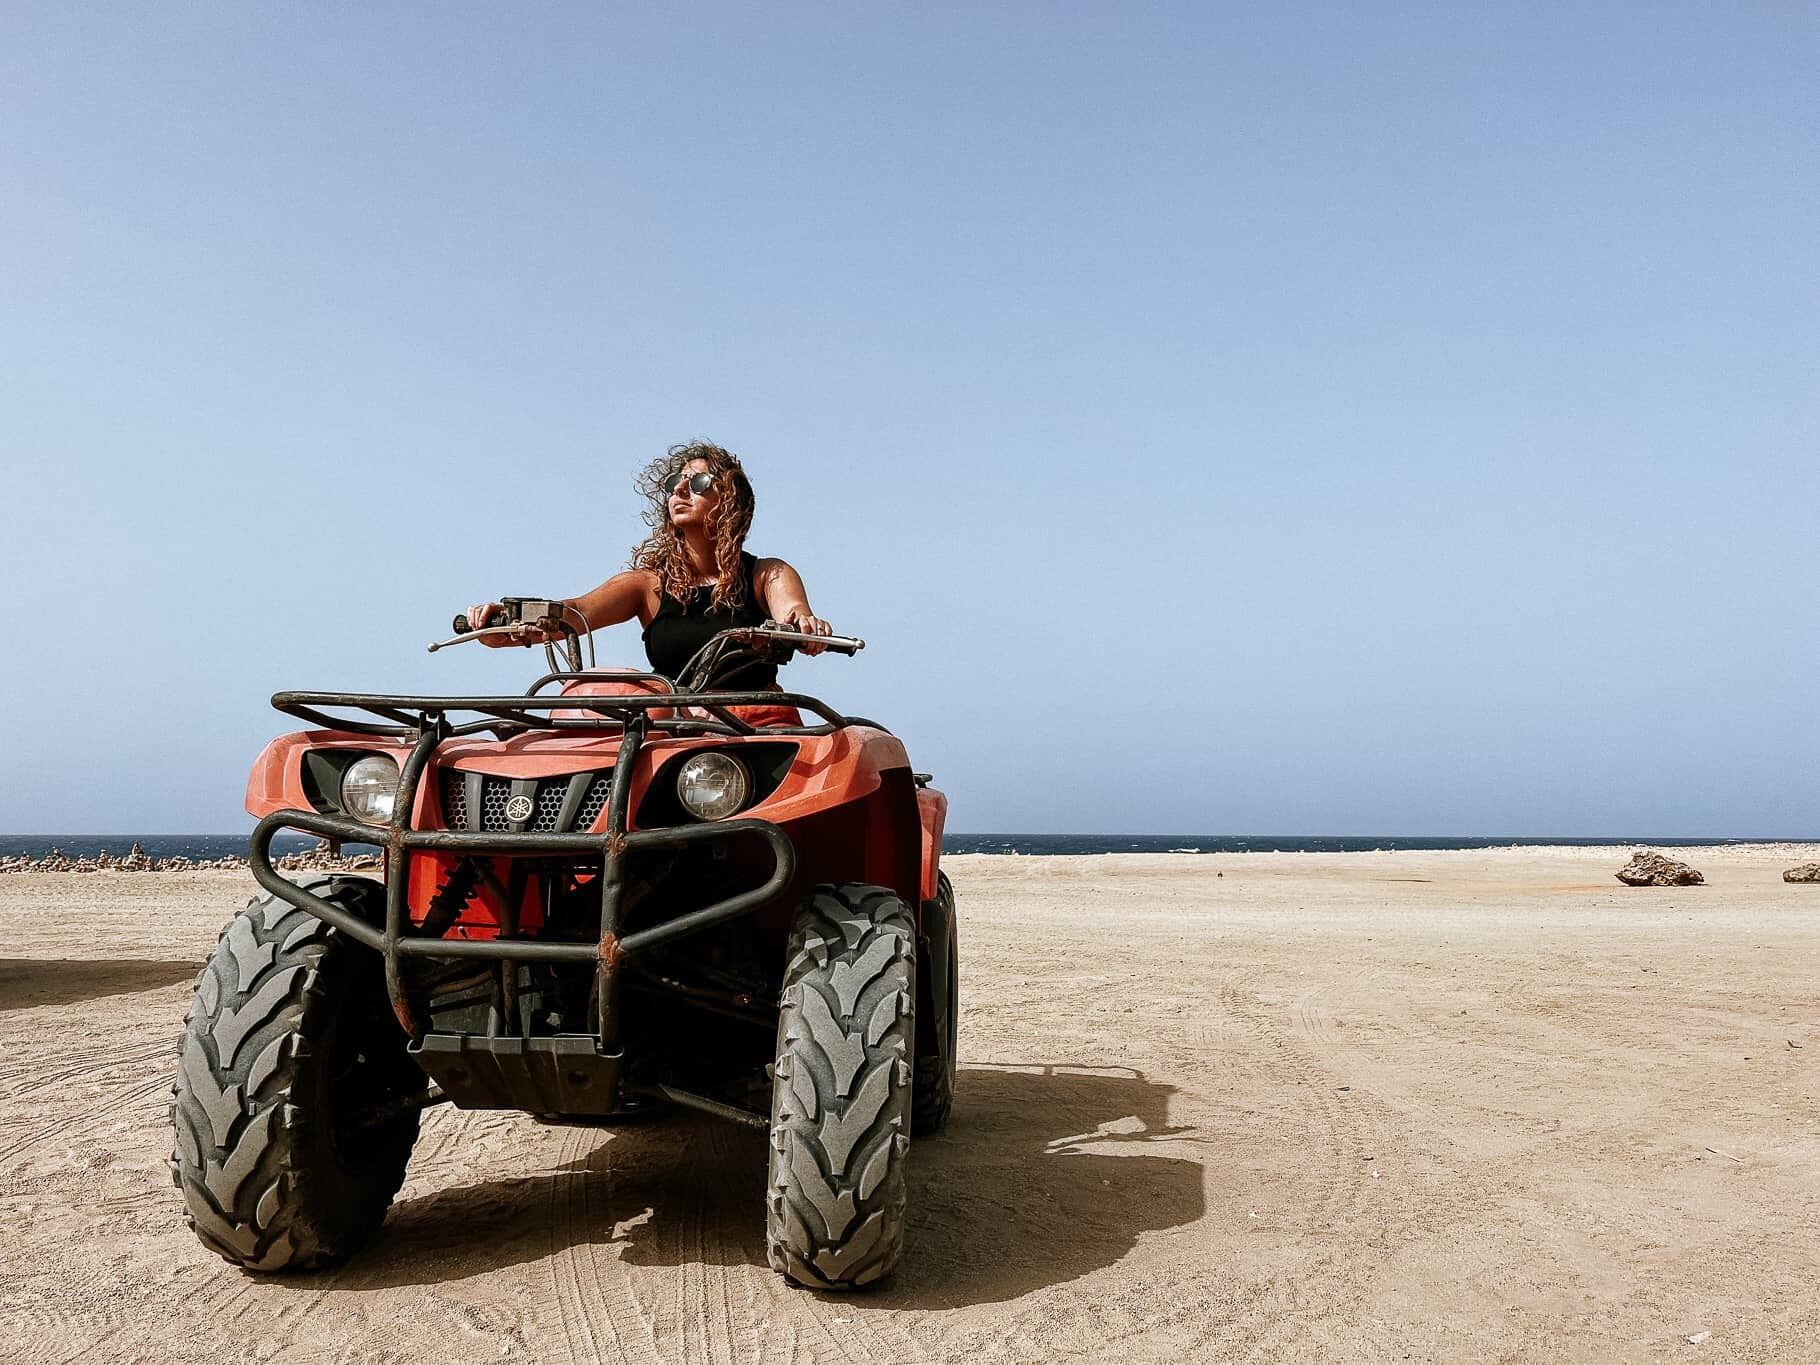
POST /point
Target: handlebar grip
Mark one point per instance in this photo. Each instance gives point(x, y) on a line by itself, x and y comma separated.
point(838, 644)
point(495, 616)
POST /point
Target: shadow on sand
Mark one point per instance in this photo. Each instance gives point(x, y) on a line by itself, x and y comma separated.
point(32, 982)
point(1008, 1199)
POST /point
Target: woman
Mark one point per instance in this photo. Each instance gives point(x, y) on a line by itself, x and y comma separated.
point(692, 577)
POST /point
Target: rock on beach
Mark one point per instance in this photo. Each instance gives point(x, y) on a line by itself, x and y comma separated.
point(1807, 872)
point(1652, 869)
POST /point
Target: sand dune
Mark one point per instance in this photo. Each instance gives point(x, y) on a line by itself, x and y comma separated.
point(1410, 1106)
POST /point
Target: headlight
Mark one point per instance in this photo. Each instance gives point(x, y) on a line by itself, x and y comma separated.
point(368, 789)
point(712, 786)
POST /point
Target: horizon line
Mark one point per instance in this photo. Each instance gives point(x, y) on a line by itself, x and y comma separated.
point(1045, 834)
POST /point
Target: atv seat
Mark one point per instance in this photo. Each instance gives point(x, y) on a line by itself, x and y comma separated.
point(629, 684)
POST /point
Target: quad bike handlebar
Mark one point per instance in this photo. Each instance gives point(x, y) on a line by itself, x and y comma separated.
point(553, 624)
point(540, 620)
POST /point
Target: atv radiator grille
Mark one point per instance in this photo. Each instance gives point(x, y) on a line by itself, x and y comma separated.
point(548, 796)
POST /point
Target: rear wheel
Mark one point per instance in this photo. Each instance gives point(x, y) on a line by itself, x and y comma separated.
point(840, 1106)
point(292, 1112)
point(939, 1012)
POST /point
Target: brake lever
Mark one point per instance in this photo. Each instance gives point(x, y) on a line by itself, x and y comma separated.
point(481, 634)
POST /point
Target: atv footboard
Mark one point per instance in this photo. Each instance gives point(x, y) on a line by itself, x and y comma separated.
point(572, 1073)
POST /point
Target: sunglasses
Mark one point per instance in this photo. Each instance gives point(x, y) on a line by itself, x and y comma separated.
point(696, 484)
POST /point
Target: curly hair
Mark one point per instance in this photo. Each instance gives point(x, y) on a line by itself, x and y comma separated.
point(662, 551)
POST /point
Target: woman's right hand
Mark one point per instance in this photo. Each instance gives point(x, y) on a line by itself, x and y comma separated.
point(492, 613)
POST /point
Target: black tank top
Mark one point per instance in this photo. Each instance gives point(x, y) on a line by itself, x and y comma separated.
point(681, 628)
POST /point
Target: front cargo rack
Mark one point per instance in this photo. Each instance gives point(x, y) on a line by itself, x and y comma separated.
point(397, 716)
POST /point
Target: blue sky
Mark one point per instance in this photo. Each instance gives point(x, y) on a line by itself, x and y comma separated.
point(1287, 419)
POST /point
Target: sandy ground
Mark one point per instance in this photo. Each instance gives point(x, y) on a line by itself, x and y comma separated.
point(1408, 1106)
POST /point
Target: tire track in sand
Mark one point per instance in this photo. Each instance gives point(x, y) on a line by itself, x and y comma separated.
point(233, 1289)
point(715, 1300)
point(696, 1325)
point(819, 1326)
point(588, 1305)
point(1333, 1131)
point(65, 1123)
point(26, 1076)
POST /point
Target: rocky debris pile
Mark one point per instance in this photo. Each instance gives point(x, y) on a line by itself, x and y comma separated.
point(318, 859)
point(1807, 872)
point(1652, 869)
point(136, 860)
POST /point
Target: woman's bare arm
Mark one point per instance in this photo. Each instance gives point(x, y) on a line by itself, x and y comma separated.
point(787, 602)
point(623, 597)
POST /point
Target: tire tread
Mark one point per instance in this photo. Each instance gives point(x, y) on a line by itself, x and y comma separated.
point(840, 1124)
point(244, 1149)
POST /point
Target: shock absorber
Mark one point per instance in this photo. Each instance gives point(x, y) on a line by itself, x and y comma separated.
point(451, 897)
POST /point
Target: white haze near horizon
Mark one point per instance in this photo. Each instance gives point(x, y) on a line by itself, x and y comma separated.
point(1277, 419)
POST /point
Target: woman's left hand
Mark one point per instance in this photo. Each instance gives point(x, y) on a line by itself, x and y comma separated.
point(808, 625)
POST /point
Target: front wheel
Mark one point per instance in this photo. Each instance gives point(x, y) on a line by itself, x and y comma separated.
point(840, 1100)
point(293, 1115)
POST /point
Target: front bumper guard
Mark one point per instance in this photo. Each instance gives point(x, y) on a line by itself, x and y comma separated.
point(610, 846)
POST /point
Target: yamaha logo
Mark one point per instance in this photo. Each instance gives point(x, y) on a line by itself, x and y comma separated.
point(518, 809)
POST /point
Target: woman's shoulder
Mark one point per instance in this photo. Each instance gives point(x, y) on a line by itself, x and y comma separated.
point(645, 582)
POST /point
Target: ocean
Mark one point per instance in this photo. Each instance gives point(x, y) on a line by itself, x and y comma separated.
point(201, 846)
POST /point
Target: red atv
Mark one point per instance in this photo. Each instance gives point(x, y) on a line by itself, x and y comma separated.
point(609, 894)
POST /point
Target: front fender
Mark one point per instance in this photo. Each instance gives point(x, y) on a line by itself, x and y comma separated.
point(932, 814)
point(277, 780)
